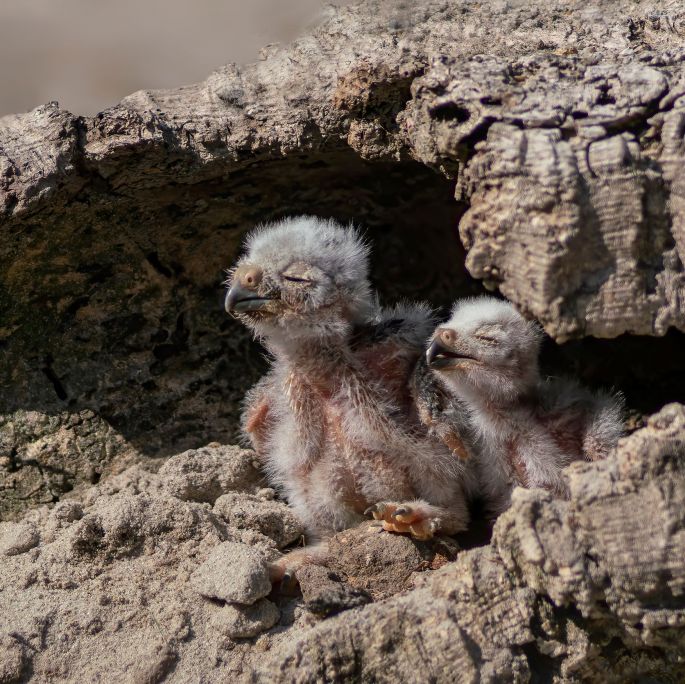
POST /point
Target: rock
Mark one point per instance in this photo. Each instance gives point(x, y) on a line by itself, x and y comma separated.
point(205, 474)
point(383, 564)
point(120, 526)
point(272, 518)
point(107, 594)
point(266, 493)
point(43, 455)
point(62, 515)
point(234, 573)
point(244, 622)
point(255, 540)
point(137, 479)
point(325, 594)
point(12, 660)
point(154, 664)
point(16, 538)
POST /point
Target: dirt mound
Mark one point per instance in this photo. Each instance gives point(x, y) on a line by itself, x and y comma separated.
point(150, 575)
point(138, 580)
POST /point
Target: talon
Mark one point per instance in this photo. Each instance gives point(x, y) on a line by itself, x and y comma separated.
point(376, 511)
point(407, 515)
point(397, 527)
point(420, 535)
point(379, 511)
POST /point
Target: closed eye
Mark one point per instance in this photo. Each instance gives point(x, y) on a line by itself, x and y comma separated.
point(293, 279)
point(487, 339)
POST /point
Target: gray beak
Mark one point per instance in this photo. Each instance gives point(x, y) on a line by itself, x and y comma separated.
point(438, 355)
point(240, 299)
point(433, 351)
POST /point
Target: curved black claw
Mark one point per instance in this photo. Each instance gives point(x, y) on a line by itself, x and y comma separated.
point(376, 510)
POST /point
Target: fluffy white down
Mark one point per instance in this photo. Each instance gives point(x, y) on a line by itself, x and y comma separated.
point(518, 419)
point(470, 314)
point(338, 439)
point(339, 250)
point(342, 296)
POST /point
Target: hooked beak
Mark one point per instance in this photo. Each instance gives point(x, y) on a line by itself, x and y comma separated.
point(240, 299)
point(439, 355)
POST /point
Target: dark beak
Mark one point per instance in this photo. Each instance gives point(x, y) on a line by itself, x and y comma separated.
point(240, 299)
point(439, 355)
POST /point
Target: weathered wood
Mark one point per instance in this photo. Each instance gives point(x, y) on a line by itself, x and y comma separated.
point(562, 128)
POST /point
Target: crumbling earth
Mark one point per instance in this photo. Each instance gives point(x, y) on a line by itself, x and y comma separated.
point(140, 579)
point(153, 574)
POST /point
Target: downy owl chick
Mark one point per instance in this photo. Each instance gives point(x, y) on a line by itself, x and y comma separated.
point(333, 421)
point(522, 429)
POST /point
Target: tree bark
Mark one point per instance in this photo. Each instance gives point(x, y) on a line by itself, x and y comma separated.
point(550, 136)
point(562, 130)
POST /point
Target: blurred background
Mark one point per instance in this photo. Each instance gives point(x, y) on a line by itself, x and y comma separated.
point(88, 54)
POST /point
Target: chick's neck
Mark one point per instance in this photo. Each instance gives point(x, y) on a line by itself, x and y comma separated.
point(322, 359)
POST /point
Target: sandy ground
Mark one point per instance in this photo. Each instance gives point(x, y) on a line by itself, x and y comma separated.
point(88, 55)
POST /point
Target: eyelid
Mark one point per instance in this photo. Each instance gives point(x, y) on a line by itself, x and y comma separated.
point(294, 279)
point(486, 338)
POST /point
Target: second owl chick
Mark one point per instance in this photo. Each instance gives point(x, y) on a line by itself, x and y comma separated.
point(522, 429)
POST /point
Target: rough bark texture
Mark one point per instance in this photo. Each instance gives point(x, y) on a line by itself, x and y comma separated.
point(550, 136)
point(560, 125)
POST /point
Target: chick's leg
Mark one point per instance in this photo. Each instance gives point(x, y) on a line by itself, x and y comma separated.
point(418, 518)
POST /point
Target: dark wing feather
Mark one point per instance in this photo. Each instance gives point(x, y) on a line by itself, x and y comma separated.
point(387, 347)
point(444, 415)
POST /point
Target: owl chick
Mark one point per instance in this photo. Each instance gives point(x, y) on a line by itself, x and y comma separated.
point(522, 430)
point(333, 420)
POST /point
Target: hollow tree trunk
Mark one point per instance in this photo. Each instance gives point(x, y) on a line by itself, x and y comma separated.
point(550, 135)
